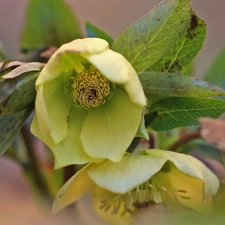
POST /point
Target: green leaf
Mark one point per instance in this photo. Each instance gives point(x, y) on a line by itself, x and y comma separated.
point(148, 39)
point(10, 125)
point(185, 49)
point(93, 31)
point(216, 73)
point(17, 88)
point(200, 147)
point(158, 85)
point(48, 23)
point(173, 112)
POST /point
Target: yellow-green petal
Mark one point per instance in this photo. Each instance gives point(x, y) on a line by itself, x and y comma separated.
point(69, 56)
point(119, 217)
point(85, 46)
point(109, 129)
point(125, 175)
point(52, 108)
point(193, 186)
point(77, 186)
point(191, 167)
point(70, 150)
point(36, 131)
point(118, 70)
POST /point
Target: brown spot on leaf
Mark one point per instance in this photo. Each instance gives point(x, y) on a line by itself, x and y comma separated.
point(179, 68)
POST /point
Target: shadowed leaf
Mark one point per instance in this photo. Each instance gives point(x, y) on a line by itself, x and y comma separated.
point(158, 85)
point(93, 31)
point(48, 22)
point(175, 112)
point(10, 125)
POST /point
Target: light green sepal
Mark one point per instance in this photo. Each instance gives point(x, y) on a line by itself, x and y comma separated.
point(142, 132)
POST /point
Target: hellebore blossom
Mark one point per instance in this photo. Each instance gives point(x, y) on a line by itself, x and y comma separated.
point(118, 190)
point(89, 103)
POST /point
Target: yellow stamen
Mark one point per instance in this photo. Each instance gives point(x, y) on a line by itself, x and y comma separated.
point(90, 89)
point(155, 190)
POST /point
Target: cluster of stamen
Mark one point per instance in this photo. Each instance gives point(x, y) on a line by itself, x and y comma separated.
point(90, 89)
point(151, 191)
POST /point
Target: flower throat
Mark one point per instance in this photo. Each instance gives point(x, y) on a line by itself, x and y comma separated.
point(90, 89)
point(152, 191)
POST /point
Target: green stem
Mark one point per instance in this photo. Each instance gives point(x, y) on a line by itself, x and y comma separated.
point(33, 163)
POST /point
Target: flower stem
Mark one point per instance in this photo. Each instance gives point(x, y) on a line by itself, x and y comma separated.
point(186, 138)
point(34, 165)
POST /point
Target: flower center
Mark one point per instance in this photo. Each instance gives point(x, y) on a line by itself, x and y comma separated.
point(90, 89)
point(152, 191)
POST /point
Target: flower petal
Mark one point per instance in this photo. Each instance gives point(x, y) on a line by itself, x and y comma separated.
point(85, 46)
point(69, 56)
point(52, 109)
point(36, 131)
point(70, 150)
point(191, 167)
point(130, 172)
point(118, 70)
point(77, 186)
point(109, 129)
point(113, 212)
point(193, 187)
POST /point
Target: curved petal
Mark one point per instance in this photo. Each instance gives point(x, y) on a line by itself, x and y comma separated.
point(125, 175)
point(68, 56)
point(70, 150)
point(77, 186)
point(191, 167)
point(118, 70)
point(113, 212)
point(52, 109)
point(85, 46)
point(35, 130)
point(109, 129)
point(193, 187)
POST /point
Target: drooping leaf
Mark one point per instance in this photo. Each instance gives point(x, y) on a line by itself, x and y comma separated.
point(148, 39)
point(185, 49)
point(93, 31)
point(10, 125)
point(169, 113)
point(48, 23)
point(7, 66)
point(23, 68)
point(17, 88)
point(158, 85)
point(216, 73)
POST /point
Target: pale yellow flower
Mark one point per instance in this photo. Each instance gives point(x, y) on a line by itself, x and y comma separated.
point(118, 190)
point(89, 103)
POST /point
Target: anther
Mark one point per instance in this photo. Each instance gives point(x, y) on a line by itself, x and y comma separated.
point(90, 89)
